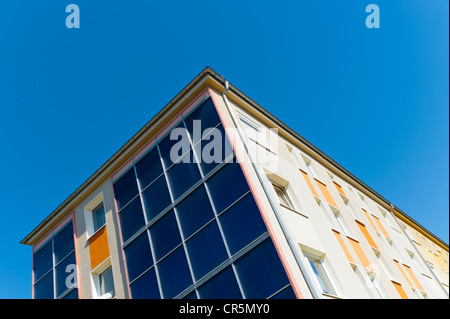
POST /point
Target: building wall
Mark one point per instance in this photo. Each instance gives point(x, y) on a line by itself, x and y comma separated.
point(364, 242)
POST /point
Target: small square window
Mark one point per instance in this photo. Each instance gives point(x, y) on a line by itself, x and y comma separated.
point(283, 196)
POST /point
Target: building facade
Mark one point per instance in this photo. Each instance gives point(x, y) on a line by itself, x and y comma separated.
point(216, 198)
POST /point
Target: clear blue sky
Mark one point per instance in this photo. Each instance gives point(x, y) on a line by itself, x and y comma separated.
point(70, 98)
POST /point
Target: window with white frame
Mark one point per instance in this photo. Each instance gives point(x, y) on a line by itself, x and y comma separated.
point(282, 195)
point(252, 130)
point(98, 216)
point(351, 209)
point(342, 223)
point(106, 282)
point(94, 215)
point(311, 168)
point(103, 279)
point(320, 274)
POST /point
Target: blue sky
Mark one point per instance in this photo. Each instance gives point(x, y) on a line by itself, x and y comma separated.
point(70, 98)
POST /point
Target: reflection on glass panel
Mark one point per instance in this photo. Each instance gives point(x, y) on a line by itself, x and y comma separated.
point(125, 189)
point(146, 286)
point(72, 295)
point(219, 186)
point(321, 276)
point(63, 243)
point(174, 145)
point(287, 293)
point(242, 223)
point(149, 168)
point(192, 295)
point(165, 235)
point(42, 261)
point(261, 271)
point(43, 289)
point(107, 282)
point(206, 116)
point(64, 275)
point(131, 219)
point(206, 250)
point(98, 215)
point(174, 273)
point(156, 198)
point(183, 175)
point(221, 286)
point(213, 149)
point(194, 211)
point(138, 256)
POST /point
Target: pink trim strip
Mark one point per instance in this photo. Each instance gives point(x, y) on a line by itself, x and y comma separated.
point(264, 215)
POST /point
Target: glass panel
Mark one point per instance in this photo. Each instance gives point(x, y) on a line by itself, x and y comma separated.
point(99, 217)
point(174, 145)
point(192, 295)
point(242, 223)
point(131, 219)
point(43, 289)
point(125, 189)
point(64, 275)
point(194, 211)
point(261, 272)
point(206, 250)
point(321, 276)
point(208, 117)
point(282, 195)
point(42, 261)
point(63, 243)
point(156, 198)
point(107, 282)
point(165, 235)
point(183, 175)
point(287, 293)
point(149, 168)
point(227, 185)
point(174, 273)
point(221, 286)
point(72, 295)
point(146, 287)
point(213, 149)
point(138, 256)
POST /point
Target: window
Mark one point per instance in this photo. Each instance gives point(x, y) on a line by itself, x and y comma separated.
point(342, 223)
point(311, 168)
point(252, 130)
point(351, 209)
point(320, 274)
point(98, 216)
point(106, 282)
point(283, 196)
point(53, 263)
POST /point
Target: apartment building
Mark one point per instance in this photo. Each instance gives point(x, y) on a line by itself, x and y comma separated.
point(216, 198)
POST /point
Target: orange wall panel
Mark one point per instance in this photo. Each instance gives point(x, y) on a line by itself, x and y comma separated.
point(343, 246)
point(339, 188)
point(366, 234)
point(380, 226)
point(359, 252)
point(310, 185)
point(326, 193)
point(400, 290)
point(414, 278)
point(98, 247)
point(403, 273)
